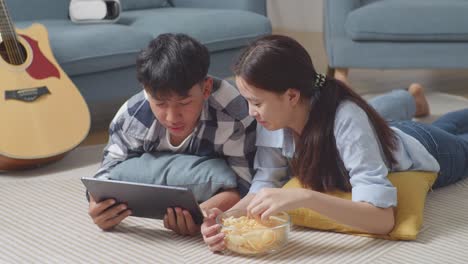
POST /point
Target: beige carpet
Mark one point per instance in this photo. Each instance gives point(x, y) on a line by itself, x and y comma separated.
point(43, 219)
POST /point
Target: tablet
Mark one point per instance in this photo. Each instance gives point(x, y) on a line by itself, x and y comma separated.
point(145, 200)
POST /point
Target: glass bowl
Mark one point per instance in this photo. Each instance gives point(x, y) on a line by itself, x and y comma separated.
point(249, 236)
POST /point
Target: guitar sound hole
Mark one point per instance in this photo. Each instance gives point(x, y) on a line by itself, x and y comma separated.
point(13, 53)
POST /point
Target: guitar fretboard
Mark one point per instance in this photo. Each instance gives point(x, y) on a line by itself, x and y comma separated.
point(6, 26)
point(8, 38)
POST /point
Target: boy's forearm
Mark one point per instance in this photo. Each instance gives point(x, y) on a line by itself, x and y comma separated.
point(223, 200)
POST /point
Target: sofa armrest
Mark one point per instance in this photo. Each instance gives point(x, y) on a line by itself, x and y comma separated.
point(334, 18)
point(257, 6)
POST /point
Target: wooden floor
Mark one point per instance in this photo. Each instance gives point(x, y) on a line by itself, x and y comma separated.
point(363, 81)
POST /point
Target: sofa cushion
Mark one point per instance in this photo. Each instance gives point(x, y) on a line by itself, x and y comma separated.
point(218, 29)
point(37, 9)
point(403, 20)
point(142, 4)
point(88, 48)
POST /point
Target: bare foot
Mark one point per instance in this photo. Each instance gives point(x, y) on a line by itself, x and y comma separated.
point(422, 106)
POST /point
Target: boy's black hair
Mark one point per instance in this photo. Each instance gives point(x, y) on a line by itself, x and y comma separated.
point(172, 64)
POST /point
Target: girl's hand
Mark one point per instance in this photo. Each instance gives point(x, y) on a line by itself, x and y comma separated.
point(210, 231)
point(270, 201)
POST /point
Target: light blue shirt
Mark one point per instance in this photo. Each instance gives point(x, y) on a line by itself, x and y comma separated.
point(359, 149)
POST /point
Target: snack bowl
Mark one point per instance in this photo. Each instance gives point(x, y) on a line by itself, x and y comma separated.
point(249, 236)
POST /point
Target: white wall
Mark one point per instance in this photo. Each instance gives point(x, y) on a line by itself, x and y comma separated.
point(296, 15)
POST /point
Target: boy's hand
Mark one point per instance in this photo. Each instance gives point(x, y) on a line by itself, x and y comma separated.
point(181, 222)
point(210, 231)
point(106, 214)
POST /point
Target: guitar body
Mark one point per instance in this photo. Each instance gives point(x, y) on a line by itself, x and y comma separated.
point(42, 113)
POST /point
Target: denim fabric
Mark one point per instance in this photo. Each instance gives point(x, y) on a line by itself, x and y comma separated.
point(447, 141)
point(396, 105)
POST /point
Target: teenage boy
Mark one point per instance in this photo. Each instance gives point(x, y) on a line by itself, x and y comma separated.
point(180, 110)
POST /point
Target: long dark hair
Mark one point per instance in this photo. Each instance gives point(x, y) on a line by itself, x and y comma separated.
point(276, 63)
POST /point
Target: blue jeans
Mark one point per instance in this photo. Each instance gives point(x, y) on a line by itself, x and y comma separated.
point(396, 105)
point(446, 139)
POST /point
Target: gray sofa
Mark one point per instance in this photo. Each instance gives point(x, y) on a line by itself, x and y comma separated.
point(396, 34)
point(100, 58)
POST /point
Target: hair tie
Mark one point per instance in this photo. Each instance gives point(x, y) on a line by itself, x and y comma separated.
point(320, 80)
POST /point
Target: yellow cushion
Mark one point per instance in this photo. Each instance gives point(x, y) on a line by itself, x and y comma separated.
point(412, 187)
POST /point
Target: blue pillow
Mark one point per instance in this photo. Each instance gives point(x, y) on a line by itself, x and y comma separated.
point(205, 176)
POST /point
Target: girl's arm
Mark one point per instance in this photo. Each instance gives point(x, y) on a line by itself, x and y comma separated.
point(359, 215)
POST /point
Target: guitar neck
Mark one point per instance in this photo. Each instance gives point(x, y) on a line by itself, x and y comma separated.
point(7, 30)
point(10, 50)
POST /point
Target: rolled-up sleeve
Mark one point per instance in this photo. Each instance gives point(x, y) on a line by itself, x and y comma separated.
point(360, 151)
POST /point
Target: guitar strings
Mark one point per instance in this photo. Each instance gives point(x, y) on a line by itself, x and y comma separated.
point(10, 28)
point(16, 41)
point(6, 40)
point(9, 49)
point(18, 55)
point(15, 38)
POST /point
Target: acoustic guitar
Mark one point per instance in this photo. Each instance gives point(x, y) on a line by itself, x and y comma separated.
point(42, 113)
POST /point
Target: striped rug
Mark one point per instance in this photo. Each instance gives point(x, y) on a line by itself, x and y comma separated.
point(43, 219)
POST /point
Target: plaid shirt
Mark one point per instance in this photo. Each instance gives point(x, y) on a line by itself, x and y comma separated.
point(225, 130)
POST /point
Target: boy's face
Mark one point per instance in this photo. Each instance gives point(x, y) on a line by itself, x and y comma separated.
point(178, 114)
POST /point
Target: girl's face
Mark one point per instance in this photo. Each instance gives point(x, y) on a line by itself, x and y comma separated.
point(271, 110)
